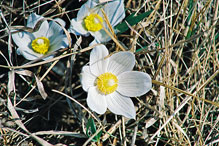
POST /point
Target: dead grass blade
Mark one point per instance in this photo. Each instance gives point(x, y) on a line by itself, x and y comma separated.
point(185, 101)
point(11, 83)
point(21, 125)
point(78, 104)
point(40, 88)
point(183, 132)
point(64, 133)
point(111, 130)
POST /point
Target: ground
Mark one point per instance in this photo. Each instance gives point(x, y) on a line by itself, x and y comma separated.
point(176, 43)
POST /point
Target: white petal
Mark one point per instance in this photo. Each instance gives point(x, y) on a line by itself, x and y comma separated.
point(120, 105)
point(134, 83)
point(44, 27)
point(33, 19)
point(22, 39)
point(121, 62)
point(96, 101)
point(101, 36)
point(98, 64)
point(54, 29)
point(28, 53)
point(60, 21)
point(58, 42)
point(49, 57)
point(77, 28)
point(115, 11)
point(85, 9)
point(65, 42)
point(87, 79)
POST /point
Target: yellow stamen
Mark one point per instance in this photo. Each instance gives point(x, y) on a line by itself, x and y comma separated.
point(107, 83)
point(41, 45)
point(93, 22)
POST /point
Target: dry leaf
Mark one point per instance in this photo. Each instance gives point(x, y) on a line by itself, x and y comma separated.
point(24, 72)
point(11, 77)
point(15, 115)
point(41, 88)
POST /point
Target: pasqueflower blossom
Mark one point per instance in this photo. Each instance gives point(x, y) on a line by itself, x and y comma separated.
point(110, 82)
point(48, 38)
point(90, 19)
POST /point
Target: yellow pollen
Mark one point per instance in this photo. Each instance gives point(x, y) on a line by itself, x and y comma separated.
point(40, 45)
point(107, 83)
point(93, 22)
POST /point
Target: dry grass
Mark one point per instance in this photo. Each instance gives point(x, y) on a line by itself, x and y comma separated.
point(177, 45)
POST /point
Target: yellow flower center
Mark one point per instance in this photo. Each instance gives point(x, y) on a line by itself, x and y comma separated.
point(40, 45)
point(107, 83)
point(93, 22)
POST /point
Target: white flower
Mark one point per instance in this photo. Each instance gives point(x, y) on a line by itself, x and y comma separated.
point(48, 38)
point(110, 82)
point(90, 19)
